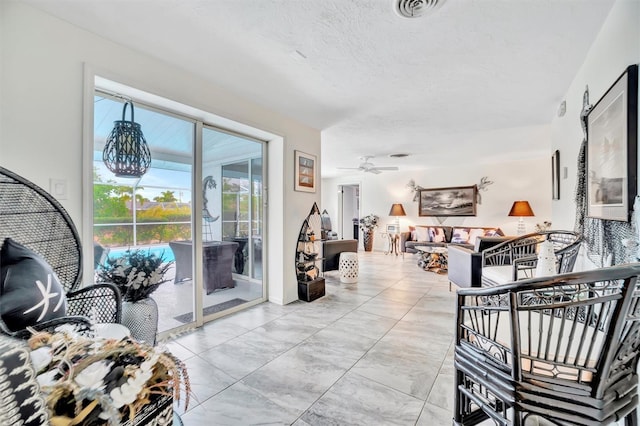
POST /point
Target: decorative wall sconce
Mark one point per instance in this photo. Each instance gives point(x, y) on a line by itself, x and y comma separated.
point(126, 152)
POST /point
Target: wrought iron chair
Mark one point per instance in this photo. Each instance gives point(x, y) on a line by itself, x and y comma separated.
point(563, 348)
point(32, 217)
point(517, 258)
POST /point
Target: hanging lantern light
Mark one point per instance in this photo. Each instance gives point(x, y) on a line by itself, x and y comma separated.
point(126, 152)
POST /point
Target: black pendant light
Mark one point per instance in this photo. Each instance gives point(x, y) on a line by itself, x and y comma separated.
point(126, 152)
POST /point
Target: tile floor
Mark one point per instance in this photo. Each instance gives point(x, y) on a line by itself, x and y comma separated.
point(378, 352)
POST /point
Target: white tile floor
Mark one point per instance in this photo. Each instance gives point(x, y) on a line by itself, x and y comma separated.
point(177, 299)
point(374, 352)
point(377, 352)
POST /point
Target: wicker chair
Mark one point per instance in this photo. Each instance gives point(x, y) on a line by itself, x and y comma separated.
point(517, 258)
point(564, 348)
point(31, 216)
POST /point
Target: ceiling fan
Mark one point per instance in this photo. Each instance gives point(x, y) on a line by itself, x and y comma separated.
point(368, 167)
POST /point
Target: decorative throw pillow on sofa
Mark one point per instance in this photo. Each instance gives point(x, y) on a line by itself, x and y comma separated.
point(30, 291)
point(492, 232)
point(460, 236)
point(474, 233)
point(422, 233)
point(437, 235)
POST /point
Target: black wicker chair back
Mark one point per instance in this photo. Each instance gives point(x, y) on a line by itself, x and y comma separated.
point(521, 254)
point(564, 348)
point(32, 217)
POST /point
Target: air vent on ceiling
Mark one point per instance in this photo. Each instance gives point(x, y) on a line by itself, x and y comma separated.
point(416, 8)
point(398, 155)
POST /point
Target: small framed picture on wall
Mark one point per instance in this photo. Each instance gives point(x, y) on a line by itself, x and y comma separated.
point(306, 168)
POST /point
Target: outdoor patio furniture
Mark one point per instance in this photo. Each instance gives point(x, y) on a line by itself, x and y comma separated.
point(217, 262)
point(564, 348)
point(33, 218)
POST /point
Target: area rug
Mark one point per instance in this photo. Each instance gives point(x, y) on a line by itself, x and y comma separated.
point(188, 317)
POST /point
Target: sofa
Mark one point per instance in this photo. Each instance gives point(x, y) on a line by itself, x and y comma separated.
point(443, 236)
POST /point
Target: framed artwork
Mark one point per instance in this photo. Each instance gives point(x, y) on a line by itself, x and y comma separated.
point(612, 144)
point(452, 201)
point(305, 172)
point(555, 175)
point(392, 229)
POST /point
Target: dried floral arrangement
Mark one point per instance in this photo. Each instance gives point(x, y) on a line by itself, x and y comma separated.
point(136, 273)
point(369, 222)
point(544, 226)
point(102, 381)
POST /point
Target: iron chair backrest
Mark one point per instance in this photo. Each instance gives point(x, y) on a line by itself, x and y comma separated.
point(571, 337)
point(32, 217)
point(522, 251)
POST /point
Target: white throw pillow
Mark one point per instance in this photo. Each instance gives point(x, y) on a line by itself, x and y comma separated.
point(422, 234)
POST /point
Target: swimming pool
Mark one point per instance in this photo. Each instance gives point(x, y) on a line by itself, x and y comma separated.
point(158, 250)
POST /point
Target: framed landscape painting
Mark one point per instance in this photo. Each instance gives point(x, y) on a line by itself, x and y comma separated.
point(452, 201)
point(305, 172)
point(612, 144)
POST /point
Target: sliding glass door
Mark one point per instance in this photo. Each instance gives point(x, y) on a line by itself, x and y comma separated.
point(155, 213)
point(232, 219)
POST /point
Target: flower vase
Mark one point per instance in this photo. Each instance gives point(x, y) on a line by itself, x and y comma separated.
point(367, 240)
point(141, 318)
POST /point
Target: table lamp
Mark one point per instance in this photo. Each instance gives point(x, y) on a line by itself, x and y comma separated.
point(521, 209)
point(396, 211)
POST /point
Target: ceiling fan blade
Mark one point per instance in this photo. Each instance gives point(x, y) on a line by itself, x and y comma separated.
point(348, 168)
point(373, 170)
point(385, 168)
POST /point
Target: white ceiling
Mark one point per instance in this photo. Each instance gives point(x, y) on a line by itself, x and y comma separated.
point(472, 73)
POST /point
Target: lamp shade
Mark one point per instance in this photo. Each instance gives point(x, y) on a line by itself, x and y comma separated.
point(397, 210)
point(521, 208)
point(126, 152)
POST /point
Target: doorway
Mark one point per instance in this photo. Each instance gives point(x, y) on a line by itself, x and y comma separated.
point(349, 210)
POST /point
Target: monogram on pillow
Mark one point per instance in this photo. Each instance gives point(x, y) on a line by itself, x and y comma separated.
point(46, 295)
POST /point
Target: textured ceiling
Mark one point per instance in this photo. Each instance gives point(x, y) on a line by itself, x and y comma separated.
point(373, 82)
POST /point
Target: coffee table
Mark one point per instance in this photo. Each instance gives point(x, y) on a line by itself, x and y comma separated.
point(433, 259)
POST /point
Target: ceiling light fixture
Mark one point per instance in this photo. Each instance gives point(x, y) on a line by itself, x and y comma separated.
point(416, 8)
point(126, 152)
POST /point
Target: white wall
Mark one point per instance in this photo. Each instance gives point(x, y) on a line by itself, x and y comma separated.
point(41, 121)
point(616, 46)
point(517, 180)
